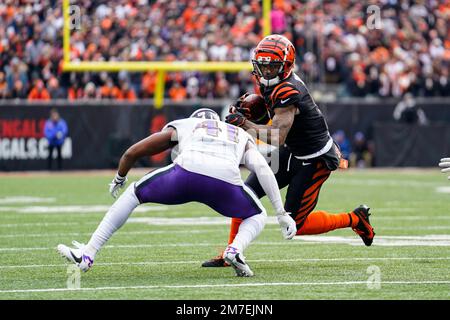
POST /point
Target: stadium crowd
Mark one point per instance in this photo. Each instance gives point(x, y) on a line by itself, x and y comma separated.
point(407, 51)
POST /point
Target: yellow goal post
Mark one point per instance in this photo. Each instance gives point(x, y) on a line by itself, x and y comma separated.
point(160, 67)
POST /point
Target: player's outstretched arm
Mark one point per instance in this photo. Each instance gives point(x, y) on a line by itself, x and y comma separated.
point(255, 162)
point(154, 144)
point(445, 164)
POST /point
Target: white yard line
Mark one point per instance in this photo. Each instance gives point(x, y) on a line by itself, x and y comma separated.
point(79, 234)
point(183, 231)
point(385, 182)
point(427, 240)
point(227, 285)
point(39, 224)
point(74, 208)
point(301, 260)
point(410, 218)
point(25, 199)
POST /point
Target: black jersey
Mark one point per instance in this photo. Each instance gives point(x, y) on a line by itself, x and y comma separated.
point(309, 132)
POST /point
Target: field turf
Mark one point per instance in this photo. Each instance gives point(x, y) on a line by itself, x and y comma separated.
point(157, 254)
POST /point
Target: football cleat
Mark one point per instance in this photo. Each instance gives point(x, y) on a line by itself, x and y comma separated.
point(364, 228)
point(216, 262)
point(237, 261)
point(76, 256)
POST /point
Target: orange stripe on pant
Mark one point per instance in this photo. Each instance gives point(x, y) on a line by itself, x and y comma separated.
point(318, 222)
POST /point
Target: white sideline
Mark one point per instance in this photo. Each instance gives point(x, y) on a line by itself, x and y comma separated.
point(150, 263)
point(265, 284)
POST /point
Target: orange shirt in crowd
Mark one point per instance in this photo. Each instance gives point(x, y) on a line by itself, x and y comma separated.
point(110, 92)
point(149, 83)
point(36, 95)
point(127, 95)
point(73, 93)
point(177, 93)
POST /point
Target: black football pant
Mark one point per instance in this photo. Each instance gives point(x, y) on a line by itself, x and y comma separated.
point(304, 179)
point(58, 157)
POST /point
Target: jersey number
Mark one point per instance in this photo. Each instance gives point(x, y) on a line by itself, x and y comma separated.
point(212, 129)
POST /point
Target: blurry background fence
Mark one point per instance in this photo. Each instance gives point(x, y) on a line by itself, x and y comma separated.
point(99, 131)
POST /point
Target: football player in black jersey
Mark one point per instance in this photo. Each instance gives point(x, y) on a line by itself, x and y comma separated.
point(307, 153)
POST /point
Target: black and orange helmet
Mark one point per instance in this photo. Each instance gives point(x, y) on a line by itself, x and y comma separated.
point(277, 53)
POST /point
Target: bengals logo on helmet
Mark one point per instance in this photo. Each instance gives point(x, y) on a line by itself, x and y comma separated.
point(273, 59)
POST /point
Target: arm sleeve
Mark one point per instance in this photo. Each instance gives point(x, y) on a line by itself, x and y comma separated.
point(256, 163)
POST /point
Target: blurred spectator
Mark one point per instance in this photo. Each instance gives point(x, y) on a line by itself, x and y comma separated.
point(177, 92)
point(222, 87)
point(278, 18)
point(148, 84)
point(343, 142)
point(39, 92)
point(109, 90)
point(55, 131)
point(90, 91)
point(3, 86)
point(410, 53)
point(192, 88)
point(75, 92)
point(16, 70)
point(18, 91)
point(126, 92)
point(55, 91)
point(407, 111)
point(361, 155)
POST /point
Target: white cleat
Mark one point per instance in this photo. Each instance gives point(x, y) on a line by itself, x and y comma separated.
point(237, 261)
point(76, 256)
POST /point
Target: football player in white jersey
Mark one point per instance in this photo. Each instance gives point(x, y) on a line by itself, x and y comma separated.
point(206, 169)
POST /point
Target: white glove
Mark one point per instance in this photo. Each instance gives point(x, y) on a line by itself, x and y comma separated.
point(445, 163)
point(287, 224)
point(118, 183)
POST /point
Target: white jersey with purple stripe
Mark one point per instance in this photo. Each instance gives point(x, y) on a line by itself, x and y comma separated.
point(209, 147)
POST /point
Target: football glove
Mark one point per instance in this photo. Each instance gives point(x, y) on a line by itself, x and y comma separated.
point(236, 119)
point(445, 163)
point(237, 106)
point(287, 224)
point(118, 183)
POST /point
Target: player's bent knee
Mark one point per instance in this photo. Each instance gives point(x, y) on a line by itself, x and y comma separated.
point(131, 194)
point(261, 218)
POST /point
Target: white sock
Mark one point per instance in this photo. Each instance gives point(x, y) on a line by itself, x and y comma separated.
point(116, 216)
point(249, 229)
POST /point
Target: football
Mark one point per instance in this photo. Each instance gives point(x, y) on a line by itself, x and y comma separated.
point(257, 110)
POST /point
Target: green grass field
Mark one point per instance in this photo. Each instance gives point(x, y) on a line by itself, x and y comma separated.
point(157, 254)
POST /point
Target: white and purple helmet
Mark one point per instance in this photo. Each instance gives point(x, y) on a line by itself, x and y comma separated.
point(205, 113)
